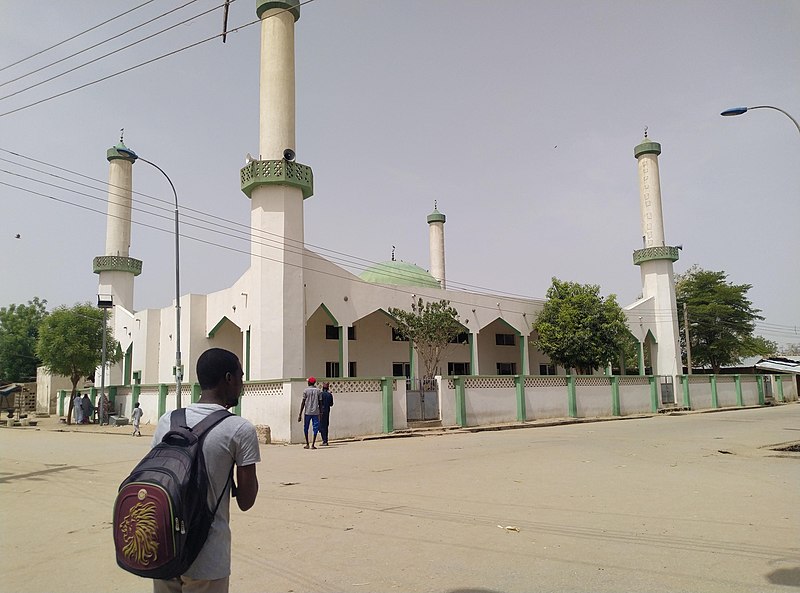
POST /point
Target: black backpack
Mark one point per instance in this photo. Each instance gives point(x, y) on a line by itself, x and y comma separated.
point(161, 514)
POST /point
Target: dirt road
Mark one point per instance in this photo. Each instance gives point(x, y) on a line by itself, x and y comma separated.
point(681, 503)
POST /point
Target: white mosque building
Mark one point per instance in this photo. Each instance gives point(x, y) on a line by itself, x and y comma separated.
point(293, 313)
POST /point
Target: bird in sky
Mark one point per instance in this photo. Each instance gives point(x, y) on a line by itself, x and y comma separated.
point(17, 237)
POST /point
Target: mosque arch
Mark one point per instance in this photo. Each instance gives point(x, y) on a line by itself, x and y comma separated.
point(323, 348)
point(502, 349)
point(228, 335)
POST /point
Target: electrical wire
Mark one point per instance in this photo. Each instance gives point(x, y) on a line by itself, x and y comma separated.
point(98, 44)
point(147, 62)
point(111, 53)
point(348, 259)
point(40, 52)
point(417, 291)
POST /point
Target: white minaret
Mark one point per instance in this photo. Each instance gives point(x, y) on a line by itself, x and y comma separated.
point(277, 187)
point(655, 260)
point(436, 222)
point(116, 269)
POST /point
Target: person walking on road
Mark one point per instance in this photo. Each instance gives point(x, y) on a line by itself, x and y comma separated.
point(325, 405)
point(310, 405)
point(136, 417)
point(87, 409)
point(232, 442)
point(77, 409)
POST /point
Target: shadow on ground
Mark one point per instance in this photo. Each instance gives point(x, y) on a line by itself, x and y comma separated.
point(789, 577)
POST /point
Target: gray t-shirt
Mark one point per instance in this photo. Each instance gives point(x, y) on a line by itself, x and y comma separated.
point(311, 401)
point(233, 439)
point(137, 416)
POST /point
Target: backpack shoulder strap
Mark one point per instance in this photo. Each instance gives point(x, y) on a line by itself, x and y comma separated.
point(201, 428)
point(177, 419)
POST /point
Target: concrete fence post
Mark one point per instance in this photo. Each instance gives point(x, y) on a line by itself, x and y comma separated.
point(572, 401)
point(61, 395)
point(195, 392)
point(519, 384)
point(737, 381)
point(653, 393)
point(461, 401)
point(387, 401)
point(615, 410)
point(714, 396)
point(779, 385)
point(687, 399)
point(162, 399)
point(760, 384)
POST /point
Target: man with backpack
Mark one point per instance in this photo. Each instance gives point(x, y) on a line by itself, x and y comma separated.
point(231, 442)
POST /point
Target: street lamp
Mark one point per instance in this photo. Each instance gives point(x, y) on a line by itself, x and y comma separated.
point(743, 110)
point(178, 367)
point(104, 302)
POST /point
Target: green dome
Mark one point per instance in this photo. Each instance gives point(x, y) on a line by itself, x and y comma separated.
point(399, 273)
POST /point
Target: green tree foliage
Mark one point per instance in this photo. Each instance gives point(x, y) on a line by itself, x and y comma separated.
point(431, 327)
point(71, 344)
point(721, 319)
point(579, 329)
point(19, 330)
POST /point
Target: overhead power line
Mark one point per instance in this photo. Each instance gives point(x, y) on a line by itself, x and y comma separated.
point(40, 52)
point(145, 63)
point(91, 47)
point(292, 245)
point(111, 53)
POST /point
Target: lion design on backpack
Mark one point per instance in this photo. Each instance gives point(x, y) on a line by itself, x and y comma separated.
point(139, 533)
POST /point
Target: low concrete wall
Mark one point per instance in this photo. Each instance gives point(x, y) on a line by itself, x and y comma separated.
point(546, 397)
point(634, 395)
point(700, 392)
point(749, 390)
point(593, 396)
point(490, 400)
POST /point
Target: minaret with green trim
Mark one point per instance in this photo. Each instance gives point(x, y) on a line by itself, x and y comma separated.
point(116, 268)
point(436, 222)
point(655, 260)
point(277, 186)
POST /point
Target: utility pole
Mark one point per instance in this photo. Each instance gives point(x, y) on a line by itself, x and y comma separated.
point(688, 340)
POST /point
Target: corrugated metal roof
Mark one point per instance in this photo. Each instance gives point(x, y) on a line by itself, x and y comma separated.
point(781, 365)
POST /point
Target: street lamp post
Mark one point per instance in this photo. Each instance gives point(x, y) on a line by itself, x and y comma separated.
point(743, 110)
point(178, 366)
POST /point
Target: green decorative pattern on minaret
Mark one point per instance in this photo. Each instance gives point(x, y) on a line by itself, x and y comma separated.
point(117, 263)
point(113, 154)
point(292, 6)
point(647, 147)
point(436, 216)
point(653, 253)
point(280, 172)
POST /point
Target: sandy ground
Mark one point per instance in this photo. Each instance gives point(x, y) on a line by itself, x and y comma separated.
point(696, 502)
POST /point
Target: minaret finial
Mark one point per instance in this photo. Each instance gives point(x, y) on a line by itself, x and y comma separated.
point(645, 131)
point(393, 248)
point(121, 134)
point(435, 205)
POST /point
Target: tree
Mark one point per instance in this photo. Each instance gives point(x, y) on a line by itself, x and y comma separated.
point(432, 327)
point(579, 329)
point(71, 344)
point(721, 319)
point(19, 329)
point(792, 349)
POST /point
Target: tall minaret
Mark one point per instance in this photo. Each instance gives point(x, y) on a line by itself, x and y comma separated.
point(277, 187)
point(436, 222)
point(655, 260)
point(116, 269)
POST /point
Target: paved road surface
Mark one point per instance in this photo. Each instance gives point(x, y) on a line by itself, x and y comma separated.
point(681, 503)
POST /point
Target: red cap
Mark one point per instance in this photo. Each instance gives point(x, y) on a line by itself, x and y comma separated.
point(312, 380)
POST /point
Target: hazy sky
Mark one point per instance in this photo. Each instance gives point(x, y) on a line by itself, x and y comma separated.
point(518, 117)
